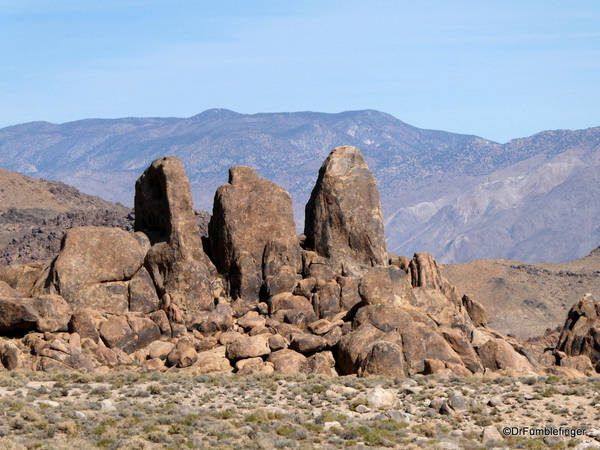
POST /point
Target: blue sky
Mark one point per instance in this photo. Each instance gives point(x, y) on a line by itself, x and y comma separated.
point(497, 69)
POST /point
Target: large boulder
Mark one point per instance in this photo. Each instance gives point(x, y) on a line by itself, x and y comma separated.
point(17, 316)
point(55, 313)
point(581, 332)
point(248, 213)
point(91, 260)
point(21, 277)
point(343, 216)
point(176, 260)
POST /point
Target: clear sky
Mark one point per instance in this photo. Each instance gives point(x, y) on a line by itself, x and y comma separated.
point(500, 69)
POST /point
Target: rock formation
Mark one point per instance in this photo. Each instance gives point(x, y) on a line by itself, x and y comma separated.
point(248, 213)
point(343, 216)
point(175, 260)
point(333, 303)
point(580, 336)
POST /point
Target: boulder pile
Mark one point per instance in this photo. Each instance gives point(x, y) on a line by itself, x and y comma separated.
point(252, 297)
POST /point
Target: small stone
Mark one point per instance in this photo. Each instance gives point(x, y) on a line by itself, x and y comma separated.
point(457, 403)
point(81, 416)
point(362, 409)
point(107, 405)
point(380, 397)
point(490, 433)
point(329, 425)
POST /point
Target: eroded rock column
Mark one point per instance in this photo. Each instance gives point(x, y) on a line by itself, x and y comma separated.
point(343, 216)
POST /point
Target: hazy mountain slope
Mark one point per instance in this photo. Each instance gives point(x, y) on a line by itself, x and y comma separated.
point(525, 299)
point(460, 197)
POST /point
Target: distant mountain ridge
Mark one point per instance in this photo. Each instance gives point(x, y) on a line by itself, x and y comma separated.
point(460, 197)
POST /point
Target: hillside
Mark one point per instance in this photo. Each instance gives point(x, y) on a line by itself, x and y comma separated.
point(459, 197)
point(34, 213)
point(523, 299)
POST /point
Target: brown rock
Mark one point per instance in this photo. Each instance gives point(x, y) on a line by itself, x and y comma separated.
point(251, 320)
point(160, 318)
point(264, 368)
point(58, 354)
point(111, 297)
point(497, 354)
point(307, 343)
point(321, 363)
point(7, 291)
point(90, 256)
point(581, 363)
point(420, 343)
point(160, 349)
point(248, 348)
point(16, 315)
point(248, 213)
point(10, 355)
point(354, 347)
point(230, 336)
point(153, 365)
point(349, 296)
point(106, 356)
point(220, 319)
point(343, 216)
point(321, 326)
point(21, 277)
point(86, 322)
point(317, 267)
point(282, 252)
point(432, 366)
point(75, 341)
point(566, 372)
point(384, 358)
point(283, 280)
point(305, 287)
point(462, 347)
point(55, 313)
point(326, 299)
point(425, 271)
point(211, 361)
point(116, 332)
point(145, 331)
point(299, 317)
point(476, 311)
point(459, 370)
point(142, 293)
point(581, 332)
point(287, 362)
point(176, 261)
point(333, 336)
point(277, 342)
point(376, 285)
point(183, 354)
point(288, 301)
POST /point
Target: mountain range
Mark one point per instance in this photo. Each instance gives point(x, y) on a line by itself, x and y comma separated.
point(460, 197)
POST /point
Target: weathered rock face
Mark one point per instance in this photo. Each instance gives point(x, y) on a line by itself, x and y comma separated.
point(581, 333)
point(343, 216)
point(90, 261)
point(21, 277)
point(176, 261)
point(248, 213)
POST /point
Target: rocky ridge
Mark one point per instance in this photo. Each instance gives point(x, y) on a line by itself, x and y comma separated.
point(259, 299)
point(459, 197)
